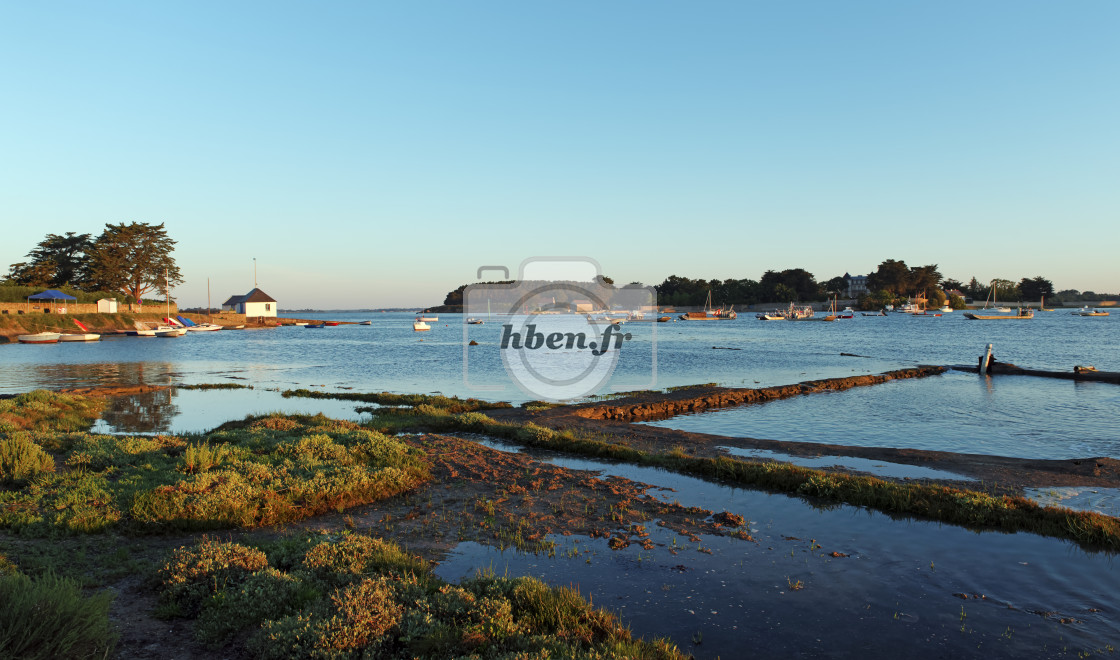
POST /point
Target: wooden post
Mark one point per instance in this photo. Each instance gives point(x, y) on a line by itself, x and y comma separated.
point(986, 360)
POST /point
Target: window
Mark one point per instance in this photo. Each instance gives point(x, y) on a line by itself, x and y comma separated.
point(267, 306)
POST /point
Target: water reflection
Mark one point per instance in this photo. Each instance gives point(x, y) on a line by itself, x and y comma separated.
point(148, 412)
point(59, 375)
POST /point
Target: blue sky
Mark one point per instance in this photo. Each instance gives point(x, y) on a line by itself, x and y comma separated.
point(375, 154)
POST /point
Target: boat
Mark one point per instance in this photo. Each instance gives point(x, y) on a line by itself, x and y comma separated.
point(710, 313)
point(330, 323)
point(1088, 311)
point(1023, 313)
point(313, 326)
point(365, 322)
point(428, 319)
point(79, 336)
point(474, 321)
point(169, 331)
point(420, 325)
point(84, 335)
point(40, 338)
point(791, 313)
point(831, 316)
point(1042, 305)
point(882, 312)
point(847, 313)
point(945, 309)
point(203, 327)
point(663, 319)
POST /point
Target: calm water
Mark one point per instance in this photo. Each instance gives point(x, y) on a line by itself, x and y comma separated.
point(957, 412)
point(897, 588)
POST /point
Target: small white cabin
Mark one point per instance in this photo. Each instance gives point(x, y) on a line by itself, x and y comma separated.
point(254, 303)
point(107, 306)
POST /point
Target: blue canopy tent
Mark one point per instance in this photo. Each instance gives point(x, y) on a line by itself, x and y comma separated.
point(51, 294)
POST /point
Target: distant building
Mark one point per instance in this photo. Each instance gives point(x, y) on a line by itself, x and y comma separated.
point(254, 303)
point(857, 285)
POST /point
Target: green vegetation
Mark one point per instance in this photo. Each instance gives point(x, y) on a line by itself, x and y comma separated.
point(448, 404)
point(48, 617)
point(352, 596)
point(261, 471)
point(130, 259)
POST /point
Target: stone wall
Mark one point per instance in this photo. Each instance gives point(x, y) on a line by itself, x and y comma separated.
point(63, 307)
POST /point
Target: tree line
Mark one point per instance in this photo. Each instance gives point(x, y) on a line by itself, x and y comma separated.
point(128, 259)
point(891, 283)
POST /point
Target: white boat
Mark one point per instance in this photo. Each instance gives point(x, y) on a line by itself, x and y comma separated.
point(420, 325)
point(84, 335)
point(204, 327)
point(169, 331)
point(428, 319)
point(474, 321)
point(945, 309)
point(80, 336)
point(40, 338)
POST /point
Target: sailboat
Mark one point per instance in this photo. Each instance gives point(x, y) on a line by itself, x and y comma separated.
point(1022, 313)
point(169, 330)
point(710, 313)
point(209, 326)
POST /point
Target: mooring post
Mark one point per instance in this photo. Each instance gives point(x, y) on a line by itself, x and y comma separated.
point(987, 358)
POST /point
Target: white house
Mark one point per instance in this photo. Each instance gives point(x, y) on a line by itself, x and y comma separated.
point(254, 303)
point(107, 306)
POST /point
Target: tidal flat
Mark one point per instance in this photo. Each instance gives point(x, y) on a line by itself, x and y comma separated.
point(436, 526)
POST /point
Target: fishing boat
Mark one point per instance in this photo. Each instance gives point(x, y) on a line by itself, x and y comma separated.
point(791, 313)
point(40, 338)
point(710, 313)
point(1022, 313)
point(420, 325)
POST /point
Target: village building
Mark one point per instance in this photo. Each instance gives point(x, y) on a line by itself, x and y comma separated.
point(254, 303)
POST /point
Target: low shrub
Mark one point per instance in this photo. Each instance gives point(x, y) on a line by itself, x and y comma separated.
point(21, 459)
point(193, 574)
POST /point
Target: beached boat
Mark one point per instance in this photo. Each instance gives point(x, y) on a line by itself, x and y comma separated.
point(40, 338)
point(420, 325)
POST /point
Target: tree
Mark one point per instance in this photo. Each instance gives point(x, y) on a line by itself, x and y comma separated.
point(56, 262)
point(134, 259)
point(951, 285)
point(925, 279)
point(891, 276)
point(1036, 288)
point(836, 286)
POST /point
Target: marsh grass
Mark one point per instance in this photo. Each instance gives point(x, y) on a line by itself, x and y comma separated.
point(444, 403)
point(349, 595)
point(43, 411)
point(48, 617)
point(260, 471)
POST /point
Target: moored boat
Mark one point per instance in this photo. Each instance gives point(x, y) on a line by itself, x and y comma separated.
point(79, 336)
point(1023, 313)
point(420, 325)
point(40, 338)
point(1088, 311)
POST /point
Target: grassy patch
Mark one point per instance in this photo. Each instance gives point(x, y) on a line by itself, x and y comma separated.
point(261, 471)
point(48, 617)
point(41, 410)
point(215, 386)
point(351, 596)
point(448, 404)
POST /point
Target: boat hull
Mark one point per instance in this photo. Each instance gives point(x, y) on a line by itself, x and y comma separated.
point(39, 338)
point(84, 336)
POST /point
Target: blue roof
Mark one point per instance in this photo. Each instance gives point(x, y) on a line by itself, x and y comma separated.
point(51, 294)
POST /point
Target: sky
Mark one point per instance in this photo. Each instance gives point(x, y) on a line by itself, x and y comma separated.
point(376, 154)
